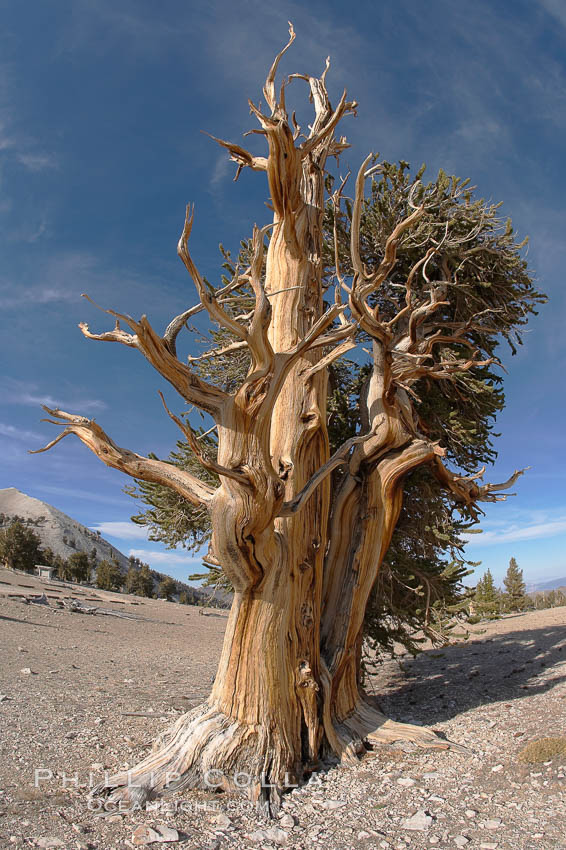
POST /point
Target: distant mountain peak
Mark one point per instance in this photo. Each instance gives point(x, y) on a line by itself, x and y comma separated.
point(57, 531)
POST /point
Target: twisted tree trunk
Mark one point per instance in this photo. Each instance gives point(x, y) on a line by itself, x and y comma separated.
point(302, 561)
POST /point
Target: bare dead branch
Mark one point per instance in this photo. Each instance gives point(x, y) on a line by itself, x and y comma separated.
point(260, 347)
point(322, 131)
point(207, 298)
point(329, 358)
point(219, 352)
point(157, 352)
point(147, 469)
point(173, 329)
point(203, 458)
point(314, 339)
point(365, 283)
point(241, 156)
point(466, 490)
point(336, 202)
point(338, 458)
point(409, 288)
point(269, 87)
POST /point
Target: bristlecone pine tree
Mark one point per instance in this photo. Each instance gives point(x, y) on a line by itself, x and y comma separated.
point(431, 282)
point(20, 547)
point(515, 589)
point(487, 597)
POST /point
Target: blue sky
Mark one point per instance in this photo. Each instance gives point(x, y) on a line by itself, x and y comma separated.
point(101, 107)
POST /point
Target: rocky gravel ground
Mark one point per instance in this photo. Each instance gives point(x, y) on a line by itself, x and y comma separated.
point(80, 694)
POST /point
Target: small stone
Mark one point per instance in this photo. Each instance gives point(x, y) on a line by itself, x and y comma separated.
point(71, 735)
point(287, 821)
point(334, 804)
point(461, 841)
point(421, 820)
point(48, 842)
point(497, 769)
point(489, 845)
point(471, 813)
point(278, 836)
point(27, 671)
point(406, 782)
point(436, 799)
point(115, 819)
point(223, 821)
point(493, 823)
point(167, 833)
point(434, 839)
point(144, 835)
point(430, 775)
point(97, 765)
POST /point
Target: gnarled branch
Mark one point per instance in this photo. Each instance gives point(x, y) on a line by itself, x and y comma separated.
point(157, 352)
point(147, 469)
point(203, 458)
point(208, 299)
point(466, 490)
point(339, 457)
point(241, 156)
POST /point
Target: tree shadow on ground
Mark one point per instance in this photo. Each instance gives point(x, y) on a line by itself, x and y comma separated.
point(26, 622)
point(442, 683)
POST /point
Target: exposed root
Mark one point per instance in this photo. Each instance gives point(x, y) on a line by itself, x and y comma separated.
point(369, 724)
point(205, 749)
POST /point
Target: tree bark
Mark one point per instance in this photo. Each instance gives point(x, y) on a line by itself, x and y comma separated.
point(302, 561)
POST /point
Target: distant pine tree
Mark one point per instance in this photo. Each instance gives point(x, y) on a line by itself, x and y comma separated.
point(487, 598)
point(167, 588)
point(515, 598)
point(80, 566)
point(109, 576)
point(139, 582)
point(20, 547)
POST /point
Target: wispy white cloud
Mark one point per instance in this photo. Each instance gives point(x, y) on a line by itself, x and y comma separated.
point(164, 558)
point(36, 294)
point(220, 172)
point(516, 532)
point(556, 9)
point(13, 433)
point(20, 392)
point(19, 146)
point(37, 161)
point(121, 530)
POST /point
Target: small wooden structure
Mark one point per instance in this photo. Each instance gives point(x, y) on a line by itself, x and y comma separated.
point(44, 571)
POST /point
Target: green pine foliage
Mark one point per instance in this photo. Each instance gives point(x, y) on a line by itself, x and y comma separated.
point(515, 597)
point(487, 598)
point(166, 588)
point(139, 581)
point(109, 576)
point(20, 547)
point(79, 566)
point(420, 591)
